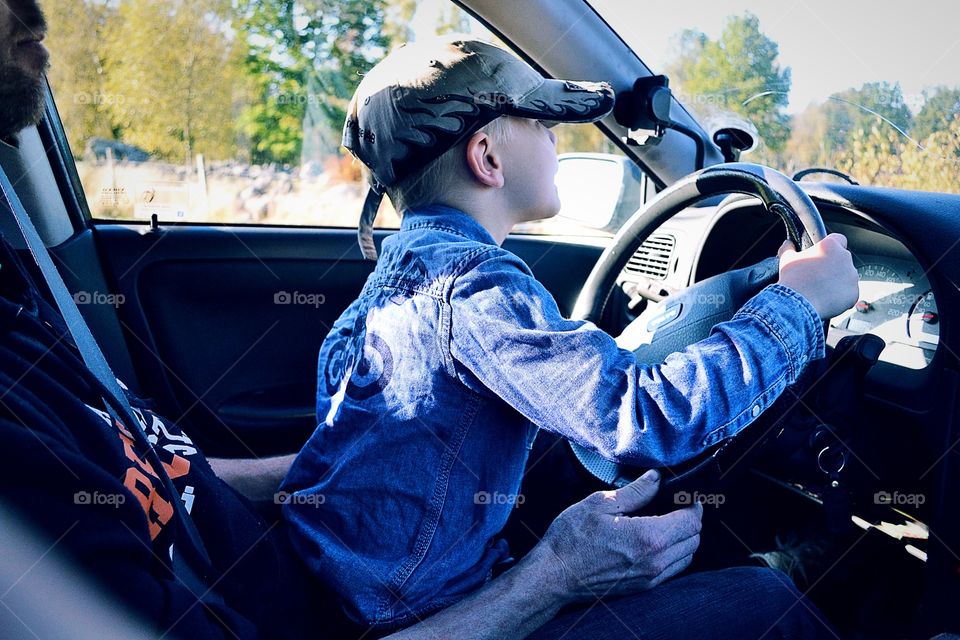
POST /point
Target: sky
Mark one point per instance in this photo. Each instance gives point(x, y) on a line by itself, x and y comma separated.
point(830, 45)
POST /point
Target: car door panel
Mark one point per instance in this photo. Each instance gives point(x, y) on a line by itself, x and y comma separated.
point(224, 323)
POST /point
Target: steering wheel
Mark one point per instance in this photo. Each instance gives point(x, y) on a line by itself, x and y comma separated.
point(678, 321)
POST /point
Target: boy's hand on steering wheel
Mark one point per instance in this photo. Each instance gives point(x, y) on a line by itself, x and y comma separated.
point(823, 274)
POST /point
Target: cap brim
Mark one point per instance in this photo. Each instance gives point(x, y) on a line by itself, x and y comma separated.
point(559, 101)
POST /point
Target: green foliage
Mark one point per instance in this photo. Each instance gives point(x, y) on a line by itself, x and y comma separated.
point(738, 73)
point(272, 123)
point(857, 111)
point(171, 70)
point(304, 60)
point(76, 41)
point(883, 157)
point(275, 69)
point(844, 134)
point(939, 109)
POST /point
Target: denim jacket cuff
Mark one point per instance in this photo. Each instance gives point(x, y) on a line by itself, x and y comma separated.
point(793, 321)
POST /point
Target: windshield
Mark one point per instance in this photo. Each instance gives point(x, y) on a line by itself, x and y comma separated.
point(868, 89)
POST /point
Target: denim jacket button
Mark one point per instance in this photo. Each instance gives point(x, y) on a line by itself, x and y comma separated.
point(756, 410)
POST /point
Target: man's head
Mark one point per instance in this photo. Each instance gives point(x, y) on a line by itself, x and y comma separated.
point(446, 100)
point(23, 60)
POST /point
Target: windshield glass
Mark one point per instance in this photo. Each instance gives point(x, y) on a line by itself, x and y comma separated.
point(868, 89)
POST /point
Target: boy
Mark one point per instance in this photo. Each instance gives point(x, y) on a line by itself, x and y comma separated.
point(434, 382)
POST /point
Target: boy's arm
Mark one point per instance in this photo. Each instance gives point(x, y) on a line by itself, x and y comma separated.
point(590, 550)
point(571, 378)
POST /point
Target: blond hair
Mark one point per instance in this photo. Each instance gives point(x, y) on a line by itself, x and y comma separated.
point(434, 182)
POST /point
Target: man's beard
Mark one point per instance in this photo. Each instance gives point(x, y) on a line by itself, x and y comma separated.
point(21, 104)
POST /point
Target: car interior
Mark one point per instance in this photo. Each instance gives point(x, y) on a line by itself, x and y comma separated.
point(852, 488)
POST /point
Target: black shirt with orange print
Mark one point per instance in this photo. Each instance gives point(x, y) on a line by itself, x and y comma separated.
point(83, 481)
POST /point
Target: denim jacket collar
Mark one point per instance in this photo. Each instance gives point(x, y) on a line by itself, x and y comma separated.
point(438, 216)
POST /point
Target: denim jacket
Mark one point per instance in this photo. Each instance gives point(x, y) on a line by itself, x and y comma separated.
point(431, 388)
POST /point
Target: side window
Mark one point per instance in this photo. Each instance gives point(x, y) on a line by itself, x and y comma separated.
point(230, 111)
point(220, 111)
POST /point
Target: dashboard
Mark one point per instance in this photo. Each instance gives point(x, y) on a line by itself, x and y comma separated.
point(897, 304)
point(897, 422)
point(897, 300)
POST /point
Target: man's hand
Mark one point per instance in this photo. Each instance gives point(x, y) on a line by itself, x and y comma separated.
point(823, 274)
point(599, 548)
point(592, 549)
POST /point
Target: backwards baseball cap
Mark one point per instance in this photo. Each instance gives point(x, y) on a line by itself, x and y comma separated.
point(426, 96)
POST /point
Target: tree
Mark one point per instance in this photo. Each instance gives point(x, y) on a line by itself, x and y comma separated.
point(826, 132)
point(75, 41)
point(936, 165)
point(172, 70)
point(305, 58)
point(738, 73)
point(582, 137)
point(398, 20)
point(939, 109)
point(275, 68)
point(858, 111)
point(873, 157)
point(807, 146)
point(883, 157)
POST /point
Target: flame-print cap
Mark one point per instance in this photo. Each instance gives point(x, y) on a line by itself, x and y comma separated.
point(425, 97)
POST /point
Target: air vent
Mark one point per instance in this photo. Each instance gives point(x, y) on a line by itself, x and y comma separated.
point(652, 259)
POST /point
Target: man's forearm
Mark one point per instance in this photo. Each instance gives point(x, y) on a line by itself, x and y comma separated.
point(257, 480)
point(507, 608)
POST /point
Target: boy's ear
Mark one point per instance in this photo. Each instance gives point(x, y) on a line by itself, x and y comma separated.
point(484, 161)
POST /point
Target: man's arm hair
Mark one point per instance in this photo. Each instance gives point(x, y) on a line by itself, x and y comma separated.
point(507, 608)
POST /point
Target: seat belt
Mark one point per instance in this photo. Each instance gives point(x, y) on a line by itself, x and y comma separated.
point(115, 399)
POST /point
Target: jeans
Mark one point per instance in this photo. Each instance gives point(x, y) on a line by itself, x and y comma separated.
point(742, 603)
